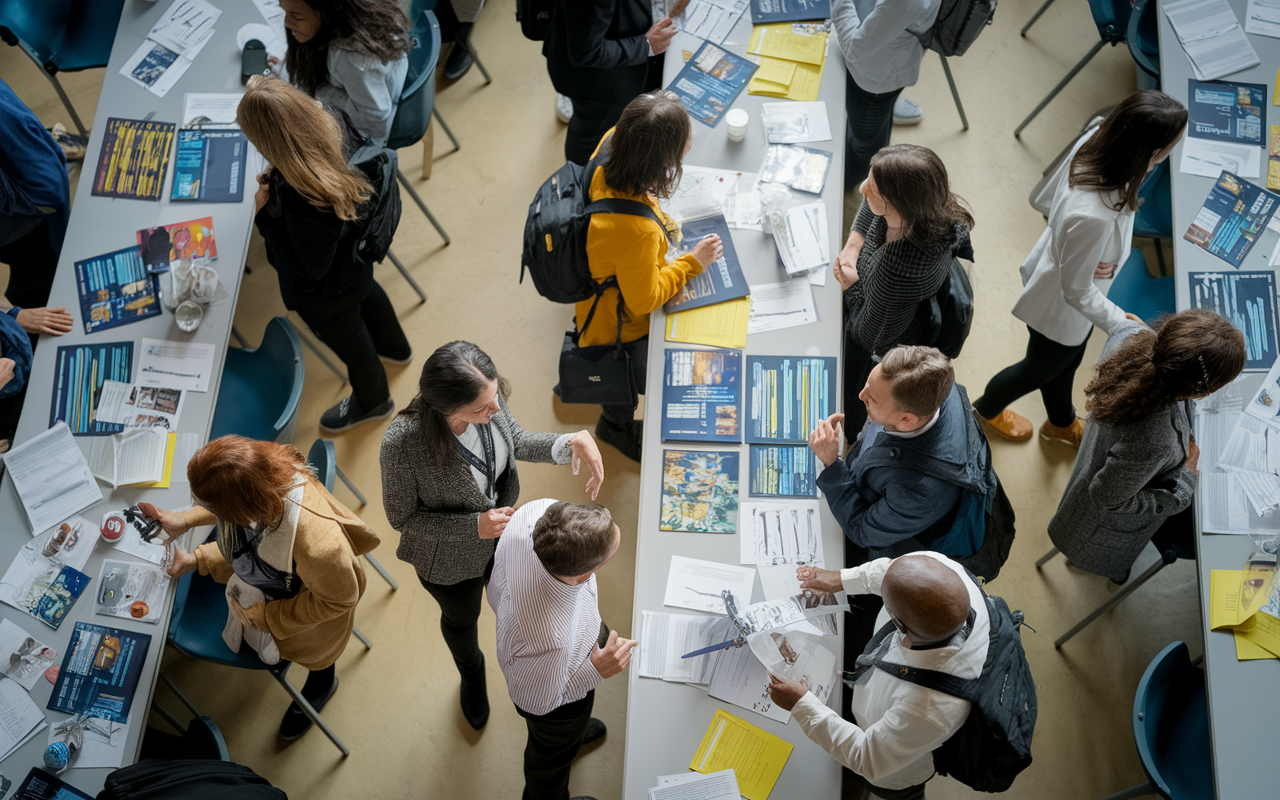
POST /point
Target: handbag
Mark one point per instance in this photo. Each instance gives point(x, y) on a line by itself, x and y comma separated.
point(603, 374)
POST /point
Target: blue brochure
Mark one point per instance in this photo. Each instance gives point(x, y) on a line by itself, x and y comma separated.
point(787, 395)
point(722, 280)
point(116, 289)
point(702, 396)
point(1234, 216)
point(1227, 112)
point(100, 672)
point(763, 11)
point(80, 371)
point(1248, 300)
point(209, 165)
point(783, 471)
point(710, 82)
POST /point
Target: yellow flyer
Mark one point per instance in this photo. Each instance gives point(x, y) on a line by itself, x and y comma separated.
point(756, 756)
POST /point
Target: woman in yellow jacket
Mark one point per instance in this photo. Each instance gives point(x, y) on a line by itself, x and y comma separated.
point(644, 153)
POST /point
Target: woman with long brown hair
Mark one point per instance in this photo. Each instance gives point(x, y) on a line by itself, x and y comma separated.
point(1137, 462)
point(314, 211)
point(908, 231)
point(350, 55)
point(1088, 235)
point(280, 531)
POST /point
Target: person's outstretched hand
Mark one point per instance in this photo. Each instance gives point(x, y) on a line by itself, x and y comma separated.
point(785, 693)
point(584, 448)
point(172, 522)
point(709, 250)
point(819, 581)
point(183, 562)
point(614, 656)
point(660, 34)
point(53, 321)
point(825, 439)
point(494, 521)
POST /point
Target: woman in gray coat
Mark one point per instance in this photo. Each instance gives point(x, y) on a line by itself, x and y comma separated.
point(449, 484)
point(1137, 461)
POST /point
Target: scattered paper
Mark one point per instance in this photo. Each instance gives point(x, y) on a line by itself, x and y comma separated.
point(1212, 38)
point(712, 20)
point(1225, 507)
point(20, 718)
point(131, 591)
point(780, 534)
point(720, 325)
point(804, 247)
point(1263, 18)
point(139, 406)
point(793, 122)
point(178, 364)
point(216, 109)
point(666, 638)
point(133, 457)
point(757, 757)
point(781, 305)
point(102, 745)
point(171, 45)
point(1209, 158)
point(28, 657)
point(721, 785)
point(51, 477)
point(696, 584)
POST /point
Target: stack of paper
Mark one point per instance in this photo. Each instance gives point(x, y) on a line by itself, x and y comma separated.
point(791, 59)
point(1212, 38)
point(1239, 486)
point(1236, 604)
point(667, 638)
point(719, 325)
point(171, 46)
point(20, 717)
point(721, 785)
point(757, 757)
point(52, 478)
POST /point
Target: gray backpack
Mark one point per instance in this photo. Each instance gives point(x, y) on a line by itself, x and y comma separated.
point(959, 22)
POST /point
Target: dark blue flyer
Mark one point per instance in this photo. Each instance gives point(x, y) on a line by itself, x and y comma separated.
point(1248, 300)
point(100, 672)
point(722, 280)
point(787, 396)
point(702, 396)
point(710, 82)
point(763, 11)
point(783, 471)
point(1234, 215)
point(209, 166)
point(1227, 112)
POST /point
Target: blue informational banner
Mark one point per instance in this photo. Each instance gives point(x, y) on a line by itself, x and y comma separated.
point(763, 11)
point(1227, 112)
point(710, 81)
point(209, 166)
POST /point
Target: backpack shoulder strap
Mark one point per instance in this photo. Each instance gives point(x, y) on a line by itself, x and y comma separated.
point(929, 679)
point(618, 205)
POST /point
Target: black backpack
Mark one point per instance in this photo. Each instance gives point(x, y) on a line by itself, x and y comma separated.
point(555, 233)
point(994, 743)
point(959, 22)
point(951, 312)
point(384, 217)
point(534, 17)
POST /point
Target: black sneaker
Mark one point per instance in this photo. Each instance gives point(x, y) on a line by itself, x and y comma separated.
point(458, 63)
point(627, 440)
point(295, 722)
point(397, 360)
point(595, 731)
point(475, 698)
point(348, 414)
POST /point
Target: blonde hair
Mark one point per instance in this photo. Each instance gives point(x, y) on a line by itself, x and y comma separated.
point(304, 142)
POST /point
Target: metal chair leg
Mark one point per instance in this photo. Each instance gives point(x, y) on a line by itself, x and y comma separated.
point(164, 714)
point(368, 645)
point(1107, 606)
point(382, 571)
point(307, 709)
point(306, 340)
point(182, 696)
point(955, 95)
point(422, 298)
point(1159, 256)
point(342, 476)
point(1036, 16)
point(413, 194)
point(1061, 84)
point(476, 58)
point(1044, 559)
point(435, 112)
point(236, 335)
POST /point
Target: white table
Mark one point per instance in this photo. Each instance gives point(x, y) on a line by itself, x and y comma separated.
point(666, 721)
point(100, 225)
point(1240, 692)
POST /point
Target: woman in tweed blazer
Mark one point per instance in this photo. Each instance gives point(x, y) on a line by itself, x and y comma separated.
point(1137, 462)
point(906, 234)
point(449, 484)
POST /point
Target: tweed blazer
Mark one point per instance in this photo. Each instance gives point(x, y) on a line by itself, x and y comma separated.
point(436, 507)
point(1128, 478)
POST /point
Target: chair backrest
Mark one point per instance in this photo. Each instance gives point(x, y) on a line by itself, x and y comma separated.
point(1143, 37)
point(418, 97)
point(283, 351)
point(1154, 217)
point(1112, 19)
point(66, 35)
point(323, 456)
point(1170, 723)
point(40, 27)
point(204, 740)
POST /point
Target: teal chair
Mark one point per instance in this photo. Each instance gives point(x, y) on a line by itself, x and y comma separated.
point(323, 457)
point(1144, 42)
point(1171, 730)
point(261, 388)
point(418, 100)
point(1154, 218)
point(62, 36)
point(1135, 291)
point(199, 739)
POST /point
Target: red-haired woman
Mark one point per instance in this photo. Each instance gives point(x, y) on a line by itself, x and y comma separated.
point(280, 531)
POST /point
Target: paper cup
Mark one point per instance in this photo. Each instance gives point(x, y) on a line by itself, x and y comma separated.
point(737, 120)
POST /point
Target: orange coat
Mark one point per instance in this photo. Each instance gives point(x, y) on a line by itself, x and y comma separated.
point(635, 250)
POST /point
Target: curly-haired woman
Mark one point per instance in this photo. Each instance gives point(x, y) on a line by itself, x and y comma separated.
point(1137, 462)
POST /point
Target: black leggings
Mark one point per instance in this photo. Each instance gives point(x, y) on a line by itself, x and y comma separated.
point(867, 130)
point(1049, 367)
point(459, 613)
point(318, 682)
point(358, 333)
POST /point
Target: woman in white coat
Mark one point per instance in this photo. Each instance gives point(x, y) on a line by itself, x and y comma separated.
point(1066, 276)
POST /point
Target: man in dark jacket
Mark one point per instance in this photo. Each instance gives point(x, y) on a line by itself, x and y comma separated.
point(598, 55)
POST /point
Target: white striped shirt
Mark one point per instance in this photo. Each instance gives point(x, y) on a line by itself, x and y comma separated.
point(547, 630)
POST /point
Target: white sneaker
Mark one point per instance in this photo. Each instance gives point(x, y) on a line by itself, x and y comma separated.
point(906, 112)
point(564, 109)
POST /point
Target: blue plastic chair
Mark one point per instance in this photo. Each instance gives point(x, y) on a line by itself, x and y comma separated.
point(1144, 42)
point(1154, 217)
point(261, 388)
point(1171, 730)
point(324, 458)
point(62, 36)
point(201, 738)
point(1138, 293)
point(1112, 20)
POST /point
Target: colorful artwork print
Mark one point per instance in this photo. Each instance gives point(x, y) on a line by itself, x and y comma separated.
point(700, 491)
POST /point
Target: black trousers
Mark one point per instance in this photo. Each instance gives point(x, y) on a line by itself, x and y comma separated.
point(857, 366)
point(459, 614)
point(593, 118)
point(554, 740)
point(623, 416)
point(866, 131)
point(1049, 367)
point(358, 332)
point(32, 263)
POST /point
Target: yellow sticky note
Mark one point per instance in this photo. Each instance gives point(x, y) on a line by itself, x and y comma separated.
point(775, 70)
point(1225, 610)
point(1248, 651)
point(756, 756)
point(163, 483)
point(719, 325)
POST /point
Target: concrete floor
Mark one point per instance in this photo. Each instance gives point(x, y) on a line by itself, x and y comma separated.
point(398, 706)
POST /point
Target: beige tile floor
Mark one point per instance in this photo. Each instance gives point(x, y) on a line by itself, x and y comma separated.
point(397, 708)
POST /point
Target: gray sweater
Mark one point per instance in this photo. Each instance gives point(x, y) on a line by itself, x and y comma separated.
point(1128, 478)
point(436, 508)
point(366, 89)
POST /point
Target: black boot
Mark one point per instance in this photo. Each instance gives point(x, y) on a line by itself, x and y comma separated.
point(627, 439)
point(460, 59)
point(475, 698)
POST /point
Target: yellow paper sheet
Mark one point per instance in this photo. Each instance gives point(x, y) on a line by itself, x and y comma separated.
point(163, 483)
point(779, 42)
point(775, 70)
point(756, 757)
point(1263, 630)
point(1224, 599)
point(1248, 651)
point(719, 325)
point(805, 83)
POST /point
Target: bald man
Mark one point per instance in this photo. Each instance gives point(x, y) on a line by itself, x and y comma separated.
point(940, 623)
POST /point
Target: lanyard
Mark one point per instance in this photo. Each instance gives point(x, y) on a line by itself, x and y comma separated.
point(488, 467)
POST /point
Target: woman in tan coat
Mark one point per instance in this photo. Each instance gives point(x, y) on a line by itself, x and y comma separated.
point(280, 531)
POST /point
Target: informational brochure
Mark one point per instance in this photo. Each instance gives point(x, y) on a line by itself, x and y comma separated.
point(756, 756)
point(81, 372)
point(165, 244)
point(763, 11)
point(20, 720)
point(210, 108)
point(116, 289)
point(51, 477)
point(1211, 36)
point(27, 657)
point(742, 677)
point(710, 81)
point(699, 491)
point(137, 457)
point(787, 396)
point(781, 305)
point(181, 365)
point(171, 45)
point(666, 638)
point(140, 406)
point(802, 168)
point(793, 122)
point(722, 785)
point(209, 166)
point(100, 672)
point(712, 20)
point(721, 325)
point(1233, 217)
point(699, 585)
point(133, 159)
point(1227, 112)
point(40, 785)
point(702, 396)
point(804, 241)
point(781, 534)
point(783, 471)
point(1248, 300)
point(1210, 158)
point(131, 591)
point(720, 281)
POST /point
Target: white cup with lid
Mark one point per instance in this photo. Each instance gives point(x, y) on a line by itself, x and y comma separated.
point(737, 120)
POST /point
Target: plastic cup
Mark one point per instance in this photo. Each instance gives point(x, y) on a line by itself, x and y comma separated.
point(737, 120)
point(188, 316)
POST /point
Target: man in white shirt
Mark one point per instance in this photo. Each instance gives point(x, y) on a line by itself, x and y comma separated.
point(543, 592)
point(942, 624)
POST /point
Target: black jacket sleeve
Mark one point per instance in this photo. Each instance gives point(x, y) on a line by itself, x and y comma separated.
point(307, 236)
point(587, 25)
